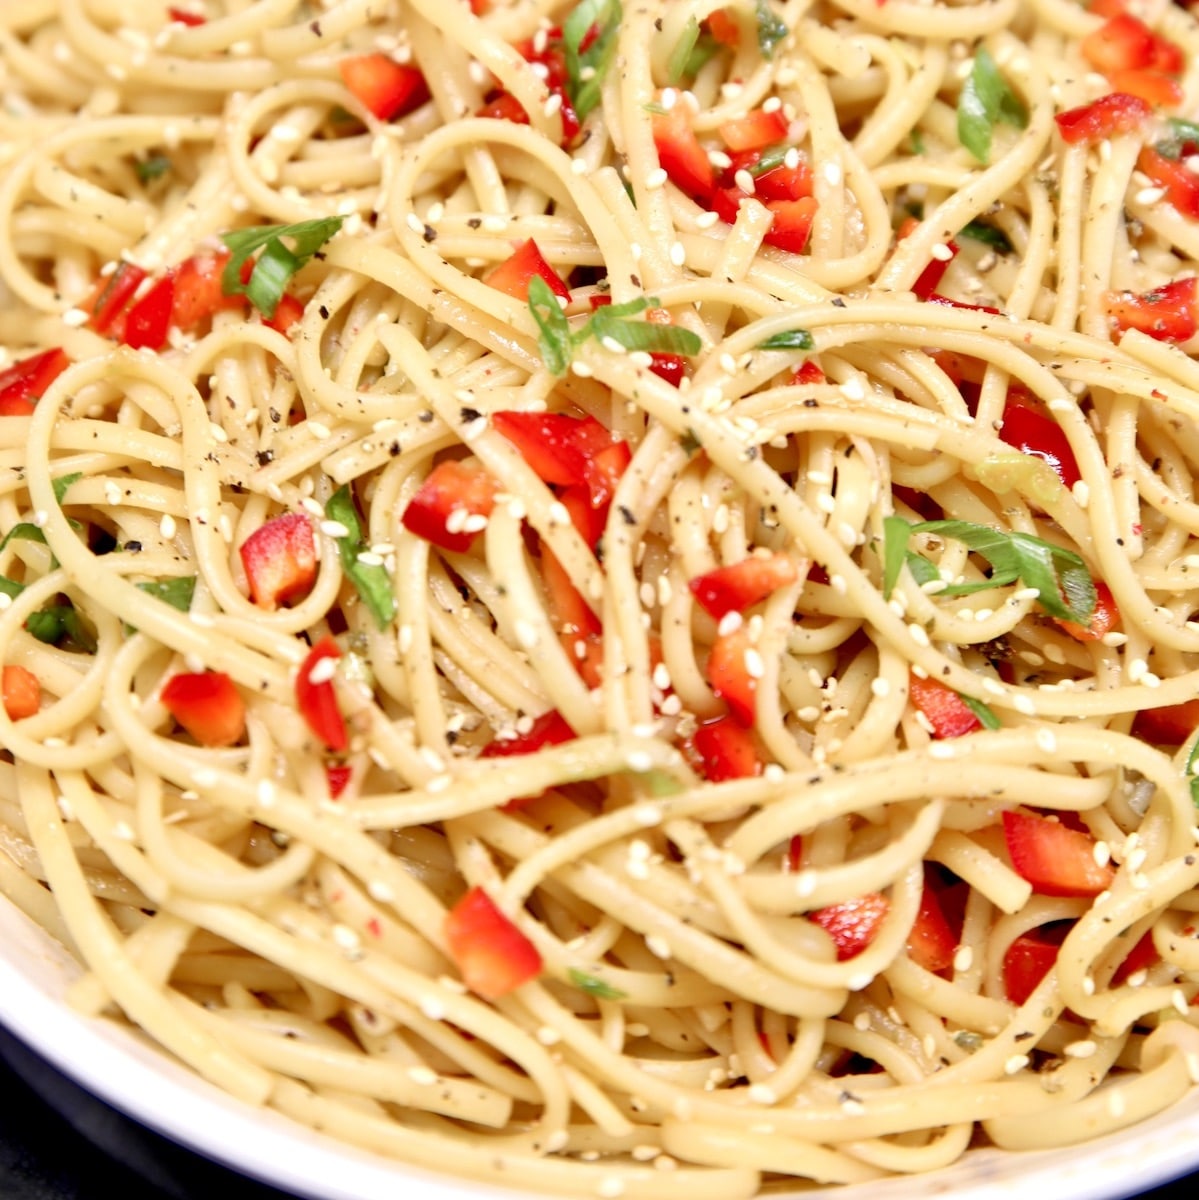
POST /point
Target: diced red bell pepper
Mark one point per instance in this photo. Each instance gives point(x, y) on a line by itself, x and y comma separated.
point(931, 942)
point(1125, 42)
point(183, 17)
point(22, 384)
point(563, 449)
point(1105, 617)
point(1140, 958)
point(1113, 114)
point(453, 487)
point(338, 776)
point(1180, 182)
point(1029, 959)
point(1026, 428)
point(671, 367)
point(549, 729)
point(384, 87)
point(680, 154)
point(740, 586)
point(852, 924)
point(792, 224)
point(504, 106)
point(1167, 313)
point(108, 303)
point(147, 322)
point(490, 952)
point(948, 714)
point(316, 697)
point(1056, 859)
point(288, 313)
point(723, 28)
point(725, 749)
point(782, 182)
point(930, 278)
point(1170, 725)
point(280, 560)
point(732, 673)
point(755, 130)
point(808, 372)
point(1156, 88)
point(949, 302)
point(571, 614)
point(21, 691)
point(208, 705)
point(514, 274)
point(198, 293)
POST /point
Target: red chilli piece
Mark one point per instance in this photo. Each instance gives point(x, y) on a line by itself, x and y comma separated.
point(22, 384)
point(742, 585)
point(491, 954)
point(852, 924)
point(452, 493)
point(385, 88)
point(792, 224)
point(514, 274)
point(1166, 314)
point(549, 729)
point(208, 705)
point(1110, 115)
point(1124, 42)
point(280, 560)
point(1056, 859)
point(288, 313)
point(948, 714)
point(316, 697)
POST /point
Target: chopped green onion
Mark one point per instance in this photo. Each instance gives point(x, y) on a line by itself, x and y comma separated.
point(370, 579)
point(986, 99)
point(988, 235)
point(594, 986)
point(554, 337)
point(63, 484)
point(789, 339)
point(1182, 133)
point(1191, 772)
point(152, 168)
point(24, 531)
point(177, 592)
point(277, 264)
point(771, 28)
point(982, 711)
point(680, 56)
point(585, 70)
point(57, 622)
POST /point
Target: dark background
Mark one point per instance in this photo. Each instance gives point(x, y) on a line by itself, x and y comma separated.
point(51, 1134)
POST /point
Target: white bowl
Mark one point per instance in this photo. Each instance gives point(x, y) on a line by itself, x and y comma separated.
point(123, 1069)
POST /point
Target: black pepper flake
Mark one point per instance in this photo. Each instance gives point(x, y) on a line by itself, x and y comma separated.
point(264, 457)
point(133, 547)
point(274, 415)
point(635, 281)
point(425, 416)
point(315, 26)
point(474, 222)
point(430, 234)
point(811, 402)
point(627, 515)
point(1023, 1036)
point(469, 414)
point(838, 302)
point(394, 449)
point(847, 1097)
point(324, 311)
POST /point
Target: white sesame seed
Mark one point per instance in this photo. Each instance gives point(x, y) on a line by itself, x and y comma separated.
point(963, 960)
point(1016, 1064)
point(941, 252)
point(1084, 1048)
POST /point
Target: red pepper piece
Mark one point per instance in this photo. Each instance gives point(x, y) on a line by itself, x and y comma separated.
point(1113, 114)
point(288, 313)
point(949, 715)
point(1125, 42)
point(1154, 87)
point(792, 224)
point(1167, 313)
point(725, 749)
point(931, 942)
point(1180, 182)
point(21, 691)
point(723, 28)
point(671, 367)
point(754, 131)
point(1027, 429)
point(384, 87)
point(733, 675)
point(1169, 725)
point(22, 384)
point(549, 729)
point(1055, 859)
point(147, 322)
point(1030, 958)
point(852, 924)
point(680, 154)
point(740, 586)
point(316, 697)
point(107, 305)
point(280, 560)
point(514, 274)
point(490, 952)
point(808, 372)
point(183, 17)
point(208, 705)
point(198, 293)
point(1105, 617)
point(1140, 958)
point(338, 776)
point(504, 106)
point(453, 487)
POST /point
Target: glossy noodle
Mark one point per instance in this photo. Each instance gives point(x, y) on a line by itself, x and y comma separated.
point(603, 599)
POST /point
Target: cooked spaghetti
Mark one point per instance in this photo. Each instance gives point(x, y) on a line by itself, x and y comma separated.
point(603, 599)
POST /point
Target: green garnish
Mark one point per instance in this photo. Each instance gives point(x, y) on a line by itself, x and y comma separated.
point(586, 69)
point(680, 56)
point(988, 235)
point(58, 622)
point(594, 986)
point(1182, 134)
point(177, 592)
point(24, 531)
point(152, 168)
point(771, 28)
point(1191, 772)
point(63, 484)
point(986, 99)
point(277, 263)
point(982, 711)
point(557, 341)
point(915, 142)
point(1064, 586)
point(789, 339)
point(370, 579)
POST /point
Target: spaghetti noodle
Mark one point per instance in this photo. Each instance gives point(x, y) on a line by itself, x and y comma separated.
point(603, 598)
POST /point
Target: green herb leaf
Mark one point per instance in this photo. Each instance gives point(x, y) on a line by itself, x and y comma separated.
point(585, 71)
point(704, 49)
point(680, 56)
point(24, 531)
point(988, 235)
point(277, 263)
point(370, 579)
point(10, 587)
point(1182, 134)
point(896, 532)
point(771, 160)
point(1191, 772)
point(594, 986)
point(642, 335)
point(62, 485)
point(58, 622)
point(771, 28)
point(982, 711)
point(554, 338)
point(915, 142)
point(986, 99)
point(789, 339)
point(152, 168)
point(177, 592)
point(689, 442)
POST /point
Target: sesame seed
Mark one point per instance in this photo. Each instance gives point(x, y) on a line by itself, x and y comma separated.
point(941, 252)
point(918, 634)
point(963, 960)
point(1016, 1064)
point(656, 179)
point(167, 527)
point(322, 670)
point(1046, 740)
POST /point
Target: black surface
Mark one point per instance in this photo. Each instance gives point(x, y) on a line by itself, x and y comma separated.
point(57, 1142)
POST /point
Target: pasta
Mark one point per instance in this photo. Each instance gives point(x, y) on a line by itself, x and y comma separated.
point(603, 598)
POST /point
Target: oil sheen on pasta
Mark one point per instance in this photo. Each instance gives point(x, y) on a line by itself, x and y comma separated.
point(798, 733)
